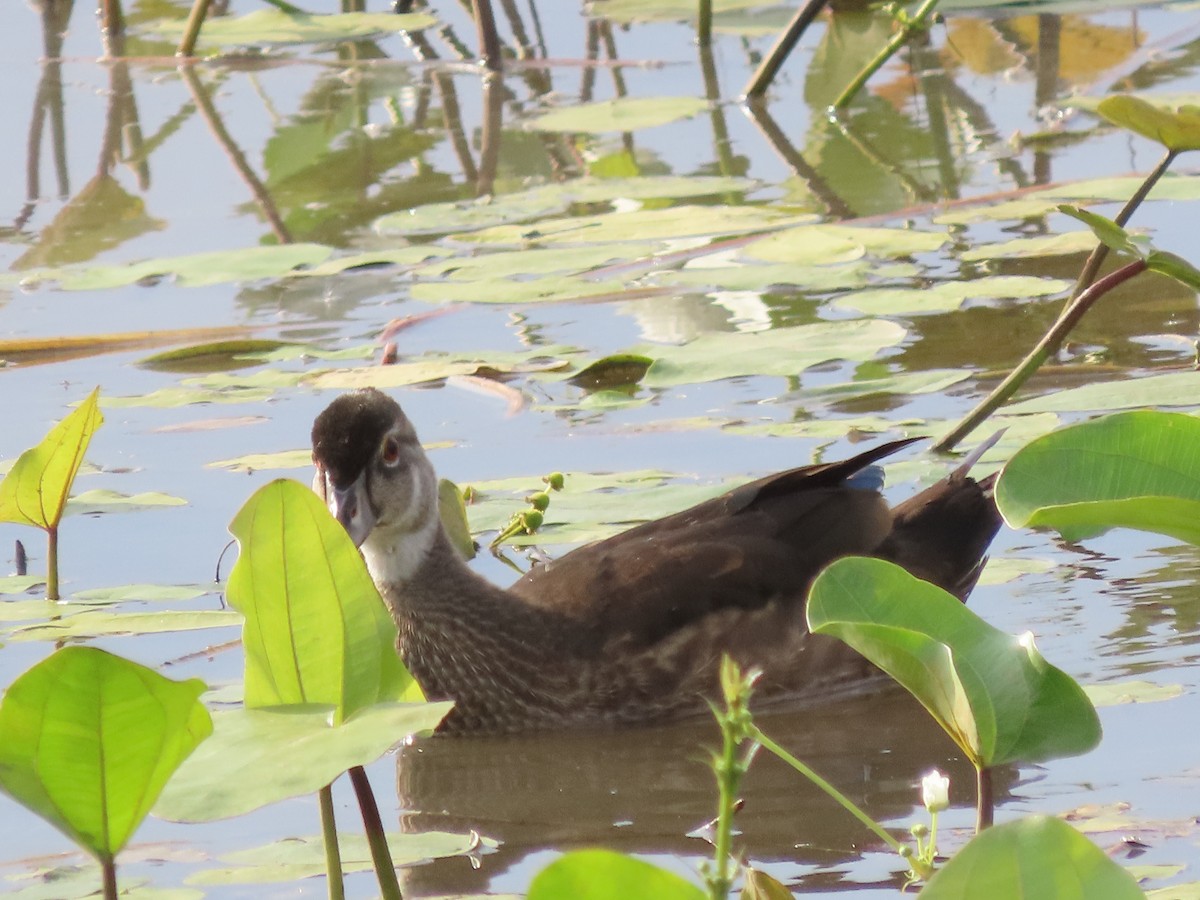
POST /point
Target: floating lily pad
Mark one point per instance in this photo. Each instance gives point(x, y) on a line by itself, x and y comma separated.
point(167, 398)
point(1068, 243)
point(781, 351)
point(246, 264)
point(150, 592)
point(99, 622)
point(1119, 693)
point(816, 244)
point(99, 500)
point(620, 114)
point(1171, 389)
point(304, 857)
point(1176, 129)
point(273, 26)
point(948, 296)
point(257, 462)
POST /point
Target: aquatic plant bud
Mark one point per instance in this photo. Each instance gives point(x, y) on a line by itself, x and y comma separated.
point(935, 791)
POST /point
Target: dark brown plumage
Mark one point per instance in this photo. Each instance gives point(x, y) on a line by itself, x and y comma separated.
point(631, 629)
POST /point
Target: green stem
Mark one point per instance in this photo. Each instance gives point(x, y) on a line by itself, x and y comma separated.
point(1092, 266)
point(727, 781)
point(52, 563)
point(381, 856)
point(985, 801)
point(769, 67)
point(916, 21)
point(333, 856)
point(108, 868)
point(704, 23)
point(846, 803)
point(191, 31)
point(1045, 348)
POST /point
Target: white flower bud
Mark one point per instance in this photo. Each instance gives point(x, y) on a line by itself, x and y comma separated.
point(935, 791)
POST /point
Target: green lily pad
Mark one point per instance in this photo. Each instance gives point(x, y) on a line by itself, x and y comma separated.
point(816, 244)
point(994, 694)
point(948, 296)
point(620, 114)
point(245, 264)
point(1120, 693)
point(87, 741)
point(146, 592)
point(1033, 857)
point(257, 462)
point(19, 584)
point(1065, 244)
point(274, 26)
point(781, 351)
point(100, 500)
point(102, 622)
point(667, 224)
point(169, 398)
point(1136, 470)
point(304, 857)
point(1170, 389)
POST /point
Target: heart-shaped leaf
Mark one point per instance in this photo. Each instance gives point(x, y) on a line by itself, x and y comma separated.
point(995, 695)
point(88, 740)
point(1138, 469)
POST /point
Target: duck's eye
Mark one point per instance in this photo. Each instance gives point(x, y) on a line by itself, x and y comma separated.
point(390, 451)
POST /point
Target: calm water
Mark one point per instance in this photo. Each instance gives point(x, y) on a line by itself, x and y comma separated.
point(331, 146)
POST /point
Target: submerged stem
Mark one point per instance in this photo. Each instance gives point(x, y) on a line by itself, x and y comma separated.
point(845, 802)
point(1047, 346)
point(381, 856)
point(333, 855)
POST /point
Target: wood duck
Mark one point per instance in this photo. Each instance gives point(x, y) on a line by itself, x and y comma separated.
point(631, 629)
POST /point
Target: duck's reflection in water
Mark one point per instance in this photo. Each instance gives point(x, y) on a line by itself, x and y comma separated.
point(645, 790)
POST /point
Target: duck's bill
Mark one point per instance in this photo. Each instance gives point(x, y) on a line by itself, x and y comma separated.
point(350, 505)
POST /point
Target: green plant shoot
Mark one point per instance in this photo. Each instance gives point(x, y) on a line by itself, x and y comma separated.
point(35, 490)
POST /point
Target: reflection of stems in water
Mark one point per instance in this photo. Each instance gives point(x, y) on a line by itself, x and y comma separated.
point(911, 23)
point(333, 855)
point(385, 869)
point(489, 150)
point(712, 92)
point(489, 40)
point(914, 187)
point(784, 44)
point(1045, 92)
point(842, 800)
point(123, 130)
point(1087, 291)
point(49, 99)
point(112, 23)
point(985, 801)
point(1045, 348)
point(931, 79)
point(261, 196)
point(769, 129)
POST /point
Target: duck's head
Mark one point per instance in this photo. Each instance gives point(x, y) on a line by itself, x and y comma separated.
point(374, 474)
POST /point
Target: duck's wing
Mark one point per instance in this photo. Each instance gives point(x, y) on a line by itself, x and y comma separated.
point(759, 544)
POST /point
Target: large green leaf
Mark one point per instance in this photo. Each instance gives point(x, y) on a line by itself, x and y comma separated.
point(316, 629)
point(35, 489)
point(1132, 469)
point(605, 875)
point(993, 693)
point(261, 756)
point(1034, 857)
point(87, 741)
